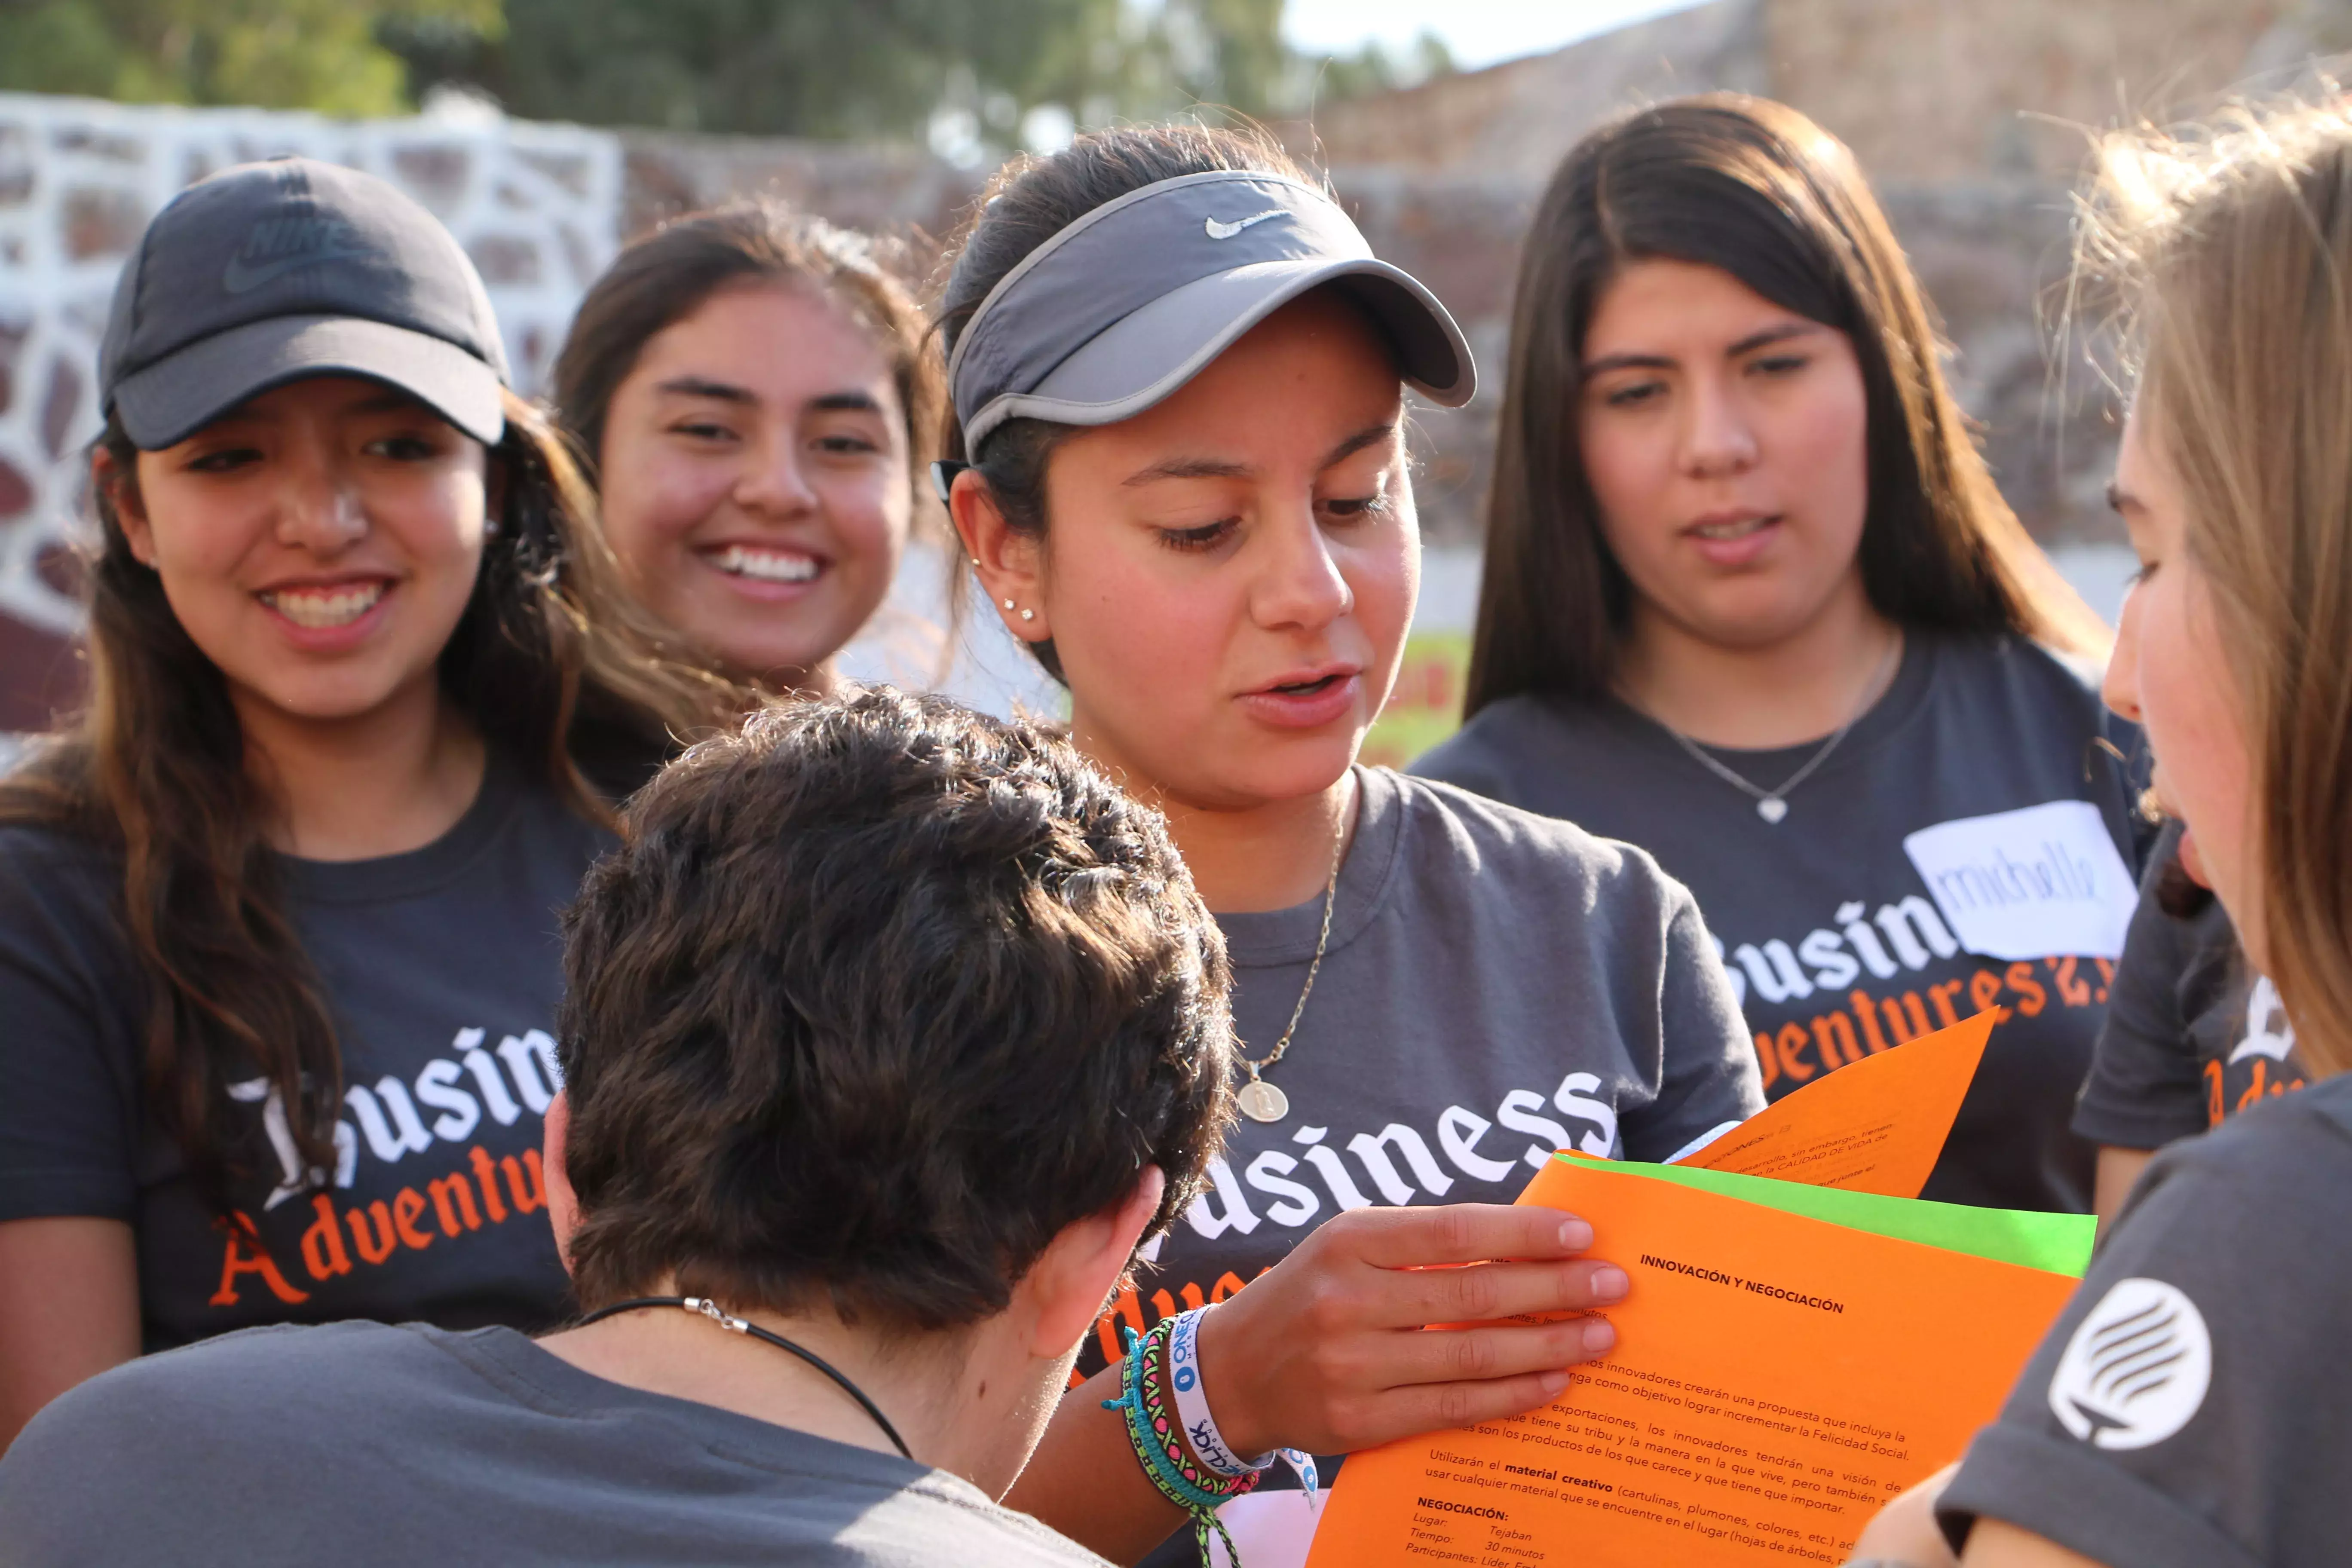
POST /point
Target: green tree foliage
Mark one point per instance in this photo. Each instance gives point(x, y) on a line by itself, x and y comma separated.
point(279, 54)
point(835, 69)
point(808, 68)
point(858, 68)
point(1226, 52)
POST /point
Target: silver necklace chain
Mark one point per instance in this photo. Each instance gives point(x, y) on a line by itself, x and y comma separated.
point(1772, 804)
point(1258, 1099)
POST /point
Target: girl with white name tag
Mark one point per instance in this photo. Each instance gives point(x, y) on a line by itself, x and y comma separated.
point(1752, 602)
point(1178, 462)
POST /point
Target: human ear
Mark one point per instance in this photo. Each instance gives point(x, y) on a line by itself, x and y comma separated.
point(1009, 564)
point(122, 493)
point(1079, 1268)
point(562, 1204)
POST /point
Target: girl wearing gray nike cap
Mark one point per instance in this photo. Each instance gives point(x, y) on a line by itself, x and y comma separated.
point(277, 909)
point(1178, 463)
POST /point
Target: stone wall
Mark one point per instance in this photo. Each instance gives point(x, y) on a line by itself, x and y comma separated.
point(897, 192)
point(1922, 89)
point(1511, 123)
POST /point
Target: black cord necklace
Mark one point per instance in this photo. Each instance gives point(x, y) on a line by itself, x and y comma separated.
point(712, 1310)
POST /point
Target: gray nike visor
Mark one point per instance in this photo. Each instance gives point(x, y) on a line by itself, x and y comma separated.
point(1123, 307)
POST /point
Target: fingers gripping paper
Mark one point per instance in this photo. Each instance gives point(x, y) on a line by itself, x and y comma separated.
point(1776, 1379)
point(1873, 1126)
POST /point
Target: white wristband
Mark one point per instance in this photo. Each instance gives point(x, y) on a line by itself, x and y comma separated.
point(1193, 1402)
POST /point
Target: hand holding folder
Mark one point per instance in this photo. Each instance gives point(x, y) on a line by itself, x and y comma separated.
point(1803, 1341)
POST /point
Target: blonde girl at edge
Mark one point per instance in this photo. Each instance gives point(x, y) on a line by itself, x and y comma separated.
point(2187, 1409)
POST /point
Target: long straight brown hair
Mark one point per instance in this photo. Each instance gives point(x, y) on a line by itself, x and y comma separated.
point(2231, 246)
point(1758, 190)
point(155, 771)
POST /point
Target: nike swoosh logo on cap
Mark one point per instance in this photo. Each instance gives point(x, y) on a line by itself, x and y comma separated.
point(242, 277)
point(1227, 230)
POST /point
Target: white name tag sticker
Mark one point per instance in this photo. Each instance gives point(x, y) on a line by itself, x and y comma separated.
point(2026, 884)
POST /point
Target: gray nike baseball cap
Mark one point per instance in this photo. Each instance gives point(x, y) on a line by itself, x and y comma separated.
point(273, 272)
point(1126, 304)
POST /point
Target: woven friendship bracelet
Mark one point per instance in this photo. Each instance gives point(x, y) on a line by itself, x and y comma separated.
point(1159, 1444)
point(1169, 1431)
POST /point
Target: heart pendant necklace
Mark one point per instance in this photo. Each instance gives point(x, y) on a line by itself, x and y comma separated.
point(1772, 804)
point(1260, 1100)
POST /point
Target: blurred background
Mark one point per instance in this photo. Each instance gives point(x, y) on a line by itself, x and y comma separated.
point(545, 132)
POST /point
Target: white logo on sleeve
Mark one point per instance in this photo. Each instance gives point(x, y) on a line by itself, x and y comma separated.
point(2268, 1031)
point(2137, 1369)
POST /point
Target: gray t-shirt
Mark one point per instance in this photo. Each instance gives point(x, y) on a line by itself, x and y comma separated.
point(442, 968)
point(1497, 986)
point(2192, 1038)
point(2192, 1406)
point(1833, 938)
point(359, 1444)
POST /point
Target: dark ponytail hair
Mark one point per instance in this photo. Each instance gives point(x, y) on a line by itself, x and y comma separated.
point(1027, 202)
point(1756, 190)
point(154, 770)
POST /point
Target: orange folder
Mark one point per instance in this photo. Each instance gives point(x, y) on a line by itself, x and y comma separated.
point(1873, 1126)
point(1777, 1378)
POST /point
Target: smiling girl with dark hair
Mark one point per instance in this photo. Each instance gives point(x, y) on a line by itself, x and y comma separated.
point(1753, 602)
point(277, 913)
point(747, 383)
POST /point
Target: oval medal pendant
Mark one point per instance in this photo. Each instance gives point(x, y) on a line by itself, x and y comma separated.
point(1261, 1102)
point(1772, 808)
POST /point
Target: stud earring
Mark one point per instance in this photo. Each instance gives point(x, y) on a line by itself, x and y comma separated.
point(1028, 615)
point(1008, 603)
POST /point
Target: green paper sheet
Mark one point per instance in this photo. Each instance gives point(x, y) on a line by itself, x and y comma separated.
point(2057, 1243)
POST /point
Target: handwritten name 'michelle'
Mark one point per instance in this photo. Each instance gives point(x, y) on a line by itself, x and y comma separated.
point(1999, 881)
point(1754, 1287)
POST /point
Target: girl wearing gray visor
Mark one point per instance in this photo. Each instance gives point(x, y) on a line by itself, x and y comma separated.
point(1178, 462)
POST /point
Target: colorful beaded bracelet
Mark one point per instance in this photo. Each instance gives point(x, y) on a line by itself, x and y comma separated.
point(1159, 1442)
